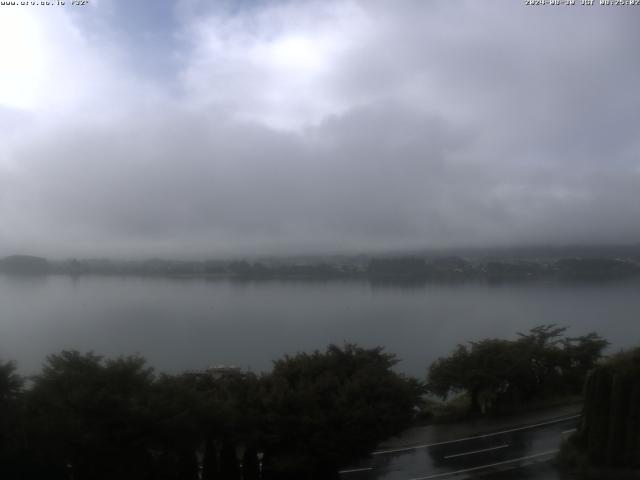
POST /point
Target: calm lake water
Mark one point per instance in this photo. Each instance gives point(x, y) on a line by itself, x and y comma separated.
point(184, 324)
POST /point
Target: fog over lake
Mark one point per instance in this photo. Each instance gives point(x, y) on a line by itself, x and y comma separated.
point(182, 324)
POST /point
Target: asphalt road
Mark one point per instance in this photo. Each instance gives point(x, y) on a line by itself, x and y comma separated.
point(523, 450)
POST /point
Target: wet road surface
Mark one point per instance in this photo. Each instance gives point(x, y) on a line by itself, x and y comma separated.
point(524, 448)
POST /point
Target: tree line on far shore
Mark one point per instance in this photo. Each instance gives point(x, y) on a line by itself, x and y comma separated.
point(384, 269)
point(87, 417)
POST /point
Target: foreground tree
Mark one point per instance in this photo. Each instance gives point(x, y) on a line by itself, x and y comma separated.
point(10, 419)
point(10, 383)
point(499, 374)
point(485, 371)
point(610, 429)
point(88, 418)
point(327, 408)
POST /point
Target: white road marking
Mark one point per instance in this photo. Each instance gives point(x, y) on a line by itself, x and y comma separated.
point(569, 431)
point(354, 470)
point(481, 467)
point(477, 451)
point(475, 437)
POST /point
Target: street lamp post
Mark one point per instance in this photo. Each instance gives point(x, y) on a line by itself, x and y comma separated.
point(69, 467)
point(260, 457)
point(200, 458)
point(240, 449)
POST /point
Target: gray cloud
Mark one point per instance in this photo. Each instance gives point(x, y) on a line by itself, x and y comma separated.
point(335, 126)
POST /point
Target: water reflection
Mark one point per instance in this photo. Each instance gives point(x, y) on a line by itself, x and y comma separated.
point(191, 323)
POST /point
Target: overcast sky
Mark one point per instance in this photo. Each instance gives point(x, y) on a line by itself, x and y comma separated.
point(210, 128)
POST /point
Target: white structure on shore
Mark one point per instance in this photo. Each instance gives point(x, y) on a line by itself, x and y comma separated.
point(217, 371)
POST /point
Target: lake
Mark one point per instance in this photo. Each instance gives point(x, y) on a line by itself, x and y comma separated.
point(182, 324)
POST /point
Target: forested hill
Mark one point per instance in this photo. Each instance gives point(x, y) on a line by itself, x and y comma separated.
point(24, 264)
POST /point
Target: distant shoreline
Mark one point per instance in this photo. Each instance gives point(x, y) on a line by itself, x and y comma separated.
point(396, 270)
